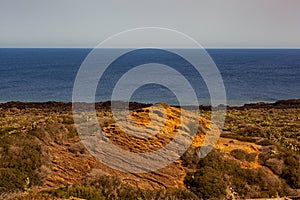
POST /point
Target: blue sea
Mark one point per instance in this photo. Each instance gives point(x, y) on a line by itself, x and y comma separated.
point(249, 75)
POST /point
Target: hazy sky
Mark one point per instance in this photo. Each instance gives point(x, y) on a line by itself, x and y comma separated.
point(213, 23)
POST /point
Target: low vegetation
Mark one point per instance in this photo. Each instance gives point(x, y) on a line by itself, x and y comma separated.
point(216, 176)
point(275, 125)
point(20, 162)
point(108, 187)
point(27, 134)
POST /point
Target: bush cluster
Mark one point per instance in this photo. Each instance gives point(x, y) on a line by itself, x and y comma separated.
point(216, 174)
point(109, 187)
point(243, 155)
point(20, 161)
point(283, 162)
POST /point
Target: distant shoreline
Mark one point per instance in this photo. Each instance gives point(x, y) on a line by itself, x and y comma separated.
point(67, 106)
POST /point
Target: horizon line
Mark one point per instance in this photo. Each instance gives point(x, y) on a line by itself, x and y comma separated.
point(152, 47)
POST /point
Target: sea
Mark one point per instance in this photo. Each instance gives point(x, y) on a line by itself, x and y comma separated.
point(249, 75)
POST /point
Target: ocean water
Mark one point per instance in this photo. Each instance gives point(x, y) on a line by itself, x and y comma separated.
point(249, 75)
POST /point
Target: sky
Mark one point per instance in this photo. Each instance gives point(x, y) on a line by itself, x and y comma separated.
point(213, 23)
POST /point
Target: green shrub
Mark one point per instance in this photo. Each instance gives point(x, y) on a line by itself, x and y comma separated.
point(252, 131)
point(11, 180)
point(216, 172)
point(240, 137)
point(72, 131)
point(67, 119)
point(173, 193)
point(291, 172)
point(283, 162)
point(243, 155)
point(38, 132)
point(19, 195)
point(265, 142)
point(191, 157)
point(20, 159)
point(108, 187)
point(80, 191)
point(207, 183)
